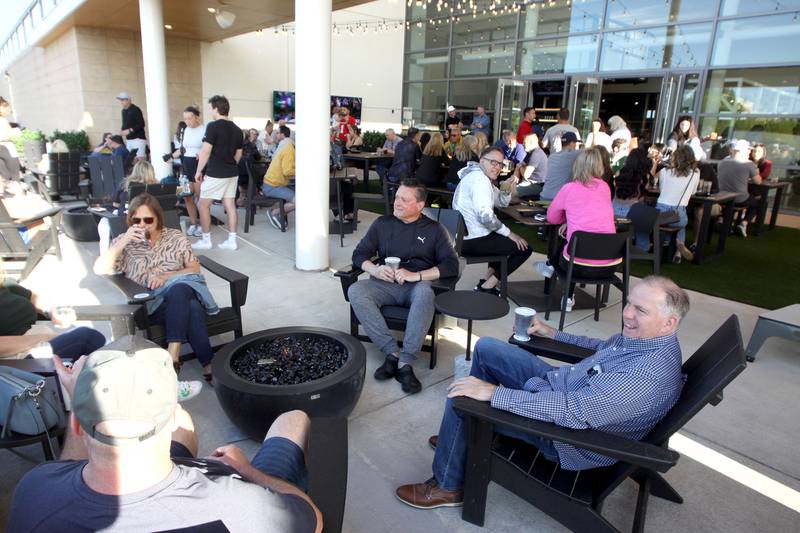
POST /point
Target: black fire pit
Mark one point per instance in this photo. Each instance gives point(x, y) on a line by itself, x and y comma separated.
point(261, 375)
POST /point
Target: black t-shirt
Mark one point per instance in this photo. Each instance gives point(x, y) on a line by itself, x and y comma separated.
point(132, 119)
point(225, 138)
point(17, 312)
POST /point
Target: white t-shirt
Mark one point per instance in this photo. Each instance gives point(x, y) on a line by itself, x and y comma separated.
point(193, 140)
point(600, 138)
point(675, 190)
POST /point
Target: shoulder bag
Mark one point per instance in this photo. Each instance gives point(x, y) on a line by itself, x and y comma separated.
point(26, 406)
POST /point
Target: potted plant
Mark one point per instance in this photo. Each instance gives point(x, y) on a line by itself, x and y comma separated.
point(76, 140)
point(31, 143)
point(373, 140)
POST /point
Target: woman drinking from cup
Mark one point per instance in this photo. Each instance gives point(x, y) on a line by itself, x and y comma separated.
point(162, 260)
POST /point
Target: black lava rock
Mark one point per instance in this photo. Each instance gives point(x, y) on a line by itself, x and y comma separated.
point(289, 360)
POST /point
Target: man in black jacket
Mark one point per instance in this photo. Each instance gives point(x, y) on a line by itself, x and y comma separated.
point(426, 254)
point(407, 156)
point(132, 126)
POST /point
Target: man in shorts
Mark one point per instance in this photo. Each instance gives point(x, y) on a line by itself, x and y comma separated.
point(219, 157)
point(128, 461)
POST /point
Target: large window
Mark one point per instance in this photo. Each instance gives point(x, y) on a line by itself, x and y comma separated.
point(753, 91)
point(472, 93)
point(551, 19)
point(426, 66)
point(483, 60)
point(484, 28)
point(679, 46)
point(634, 13)
point(757, 40)
point(425, 95)
point(423, 35)
point(565, 54)
point(751, 7)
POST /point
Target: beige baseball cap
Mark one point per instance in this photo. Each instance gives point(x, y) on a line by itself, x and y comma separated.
point(129, 380)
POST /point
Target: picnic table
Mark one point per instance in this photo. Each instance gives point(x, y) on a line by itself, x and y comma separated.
point(367, 159)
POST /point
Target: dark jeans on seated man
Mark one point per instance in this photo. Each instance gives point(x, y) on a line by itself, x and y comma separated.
point(367, 296)
point(184, 320)
point(78, 342)
point(496, 244)
point(500, 363)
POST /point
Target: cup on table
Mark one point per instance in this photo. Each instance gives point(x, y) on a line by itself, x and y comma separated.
point(63, 316)
point(393, 263)
point(523, 316)
point(707, 187)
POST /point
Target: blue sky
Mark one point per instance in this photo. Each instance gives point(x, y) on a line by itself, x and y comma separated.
point(12, 11)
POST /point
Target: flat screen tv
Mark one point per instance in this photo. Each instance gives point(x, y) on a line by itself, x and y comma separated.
point(283, 103)
point(351, 102)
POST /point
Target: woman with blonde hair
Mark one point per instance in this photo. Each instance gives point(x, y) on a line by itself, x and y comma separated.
point(584, 204)
point(464, 153)
point(481, 143)
point(434, 161)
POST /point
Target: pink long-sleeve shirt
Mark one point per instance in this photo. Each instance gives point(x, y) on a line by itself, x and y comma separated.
point(584, 208)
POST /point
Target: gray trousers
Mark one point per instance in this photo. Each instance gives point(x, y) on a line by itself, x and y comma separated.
point(367, 296)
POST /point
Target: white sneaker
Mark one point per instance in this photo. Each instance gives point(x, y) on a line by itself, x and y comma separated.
point(188, 390)
point(202, 244)
point(229, 244)
point(274, 220)
point(742, 230)
point(544, 269)
point(570, 303)
point(196, 231)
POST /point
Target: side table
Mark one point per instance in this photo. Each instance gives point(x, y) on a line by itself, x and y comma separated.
point(783, 322)
point(471, 305)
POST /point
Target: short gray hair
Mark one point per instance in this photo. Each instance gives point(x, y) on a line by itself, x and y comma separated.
point(616, 122)
point(675, 301)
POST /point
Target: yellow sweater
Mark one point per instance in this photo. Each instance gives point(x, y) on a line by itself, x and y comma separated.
point(281, 168)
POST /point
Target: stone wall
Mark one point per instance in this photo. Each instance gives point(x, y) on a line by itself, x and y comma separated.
point(72, 82)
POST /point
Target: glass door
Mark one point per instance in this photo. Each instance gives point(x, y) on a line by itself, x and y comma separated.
point(584, 102)
point(678, 97)
point(512, 97)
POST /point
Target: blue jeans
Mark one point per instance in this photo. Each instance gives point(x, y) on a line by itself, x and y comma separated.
point(682, 219)
point(283, 193)
point(184, 319)
point(278, 457)
point(641, 238)
point(78, 342)
point(499, 363)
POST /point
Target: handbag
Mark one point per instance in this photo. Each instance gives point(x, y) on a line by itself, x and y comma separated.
point(26, 406)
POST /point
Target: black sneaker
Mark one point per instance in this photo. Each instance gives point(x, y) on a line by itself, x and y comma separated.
point(408, 380)
point(479, 288)
point(388, 369)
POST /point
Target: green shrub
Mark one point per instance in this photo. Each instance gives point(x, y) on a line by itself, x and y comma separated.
point(76, 140)
point(373, 140)
point(26, 135)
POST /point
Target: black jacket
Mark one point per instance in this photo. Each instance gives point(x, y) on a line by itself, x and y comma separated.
point(132, 119)
point(406, 158)
point(420, 245)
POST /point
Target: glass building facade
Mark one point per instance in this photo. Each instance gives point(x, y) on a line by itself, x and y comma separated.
point(733, 65)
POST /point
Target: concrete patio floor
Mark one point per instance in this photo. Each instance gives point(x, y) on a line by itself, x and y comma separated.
point(755, 427)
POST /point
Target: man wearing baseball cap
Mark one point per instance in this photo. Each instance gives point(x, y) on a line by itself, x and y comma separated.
point(127, 463)
point(132, 125)
point(559, 166)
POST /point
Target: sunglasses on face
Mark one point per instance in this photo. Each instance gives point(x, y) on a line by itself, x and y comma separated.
point(146, 220)
point(494, 162)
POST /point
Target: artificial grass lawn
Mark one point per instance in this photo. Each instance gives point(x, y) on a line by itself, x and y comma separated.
point(763, 271)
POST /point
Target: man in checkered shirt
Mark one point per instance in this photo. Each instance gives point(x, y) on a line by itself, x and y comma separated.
point(625, 388)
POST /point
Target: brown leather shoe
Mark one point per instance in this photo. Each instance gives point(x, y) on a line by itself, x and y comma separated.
point(433, 441)
point(428, 495)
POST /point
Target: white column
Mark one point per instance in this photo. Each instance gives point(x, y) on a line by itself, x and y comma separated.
point(154, 59)
point(313, 90)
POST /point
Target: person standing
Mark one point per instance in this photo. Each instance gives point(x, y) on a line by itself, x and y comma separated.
point(132, 125)
point(192, 143)
point(219, 157)
point(552, 138)
point(481, 123)
point(528, 125)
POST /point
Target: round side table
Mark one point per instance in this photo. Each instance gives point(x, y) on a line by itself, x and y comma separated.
point(471, 305)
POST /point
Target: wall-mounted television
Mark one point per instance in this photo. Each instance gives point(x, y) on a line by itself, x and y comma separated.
point(352, 103)
point(283, 103)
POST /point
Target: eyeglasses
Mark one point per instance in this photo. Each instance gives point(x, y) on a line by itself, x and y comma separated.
point(146, 220)
point(495, 163)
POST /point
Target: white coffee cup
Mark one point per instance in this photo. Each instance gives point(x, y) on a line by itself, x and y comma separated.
point(523, 316)
point(393, 262)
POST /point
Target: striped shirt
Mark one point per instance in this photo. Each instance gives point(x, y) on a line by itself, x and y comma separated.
point(625, 388)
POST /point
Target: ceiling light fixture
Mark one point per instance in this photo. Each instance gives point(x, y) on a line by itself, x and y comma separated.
point(225, 19)
point(168, 26)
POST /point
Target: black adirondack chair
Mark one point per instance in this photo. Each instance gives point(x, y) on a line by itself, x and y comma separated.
point(14, 248)
point(647, 219)
point(62, 178)
point(397, 316)
point(229, 319)
point(576, 498)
